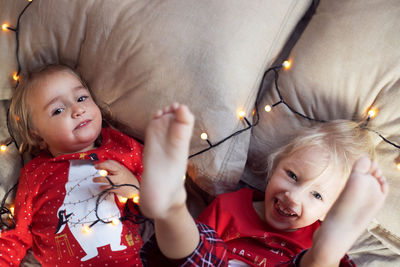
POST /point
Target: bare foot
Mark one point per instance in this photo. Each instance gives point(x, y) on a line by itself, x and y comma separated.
point(362, 197)
point(166, 151)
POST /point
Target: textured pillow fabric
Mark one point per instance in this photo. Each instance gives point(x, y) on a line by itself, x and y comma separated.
point(138, 56)
point(346, 62)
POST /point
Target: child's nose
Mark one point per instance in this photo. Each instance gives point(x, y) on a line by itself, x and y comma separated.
point(294, 197)
point(78, 111)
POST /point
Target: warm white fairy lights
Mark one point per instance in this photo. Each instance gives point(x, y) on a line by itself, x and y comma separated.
point(5, 27)
point(136, 198)
point(86, 229)
point(103, 173)
point(3, 148)
point(286, 65)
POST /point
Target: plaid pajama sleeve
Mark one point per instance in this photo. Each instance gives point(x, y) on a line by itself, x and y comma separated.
point(210, 252)
point(345, 261)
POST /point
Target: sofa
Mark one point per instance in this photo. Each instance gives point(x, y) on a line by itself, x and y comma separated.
point(138, 56)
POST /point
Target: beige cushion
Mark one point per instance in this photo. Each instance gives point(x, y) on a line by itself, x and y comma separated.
point(346, 61)
point(139, 56)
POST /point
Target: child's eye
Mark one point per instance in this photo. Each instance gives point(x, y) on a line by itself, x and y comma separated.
point(317, 195)
point(57, 111)
point(291, 175)
point(82, 98)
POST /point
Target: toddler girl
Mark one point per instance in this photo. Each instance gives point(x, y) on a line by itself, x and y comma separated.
point(57, 210)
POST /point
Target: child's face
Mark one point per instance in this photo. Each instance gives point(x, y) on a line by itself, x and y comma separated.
point(301, 190)
point(64, 114)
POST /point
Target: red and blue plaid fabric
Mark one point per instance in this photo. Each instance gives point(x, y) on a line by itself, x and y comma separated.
point(210, 252)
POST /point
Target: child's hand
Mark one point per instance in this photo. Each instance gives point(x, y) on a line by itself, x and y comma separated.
point(118, 174)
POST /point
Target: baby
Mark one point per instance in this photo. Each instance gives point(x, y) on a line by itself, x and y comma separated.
point(58, 211)
point(321, 175)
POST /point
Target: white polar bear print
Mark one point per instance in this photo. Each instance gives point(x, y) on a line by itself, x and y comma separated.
point(78, 211)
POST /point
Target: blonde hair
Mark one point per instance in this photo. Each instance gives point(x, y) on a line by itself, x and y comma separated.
point(19, 113)
point(344, 142)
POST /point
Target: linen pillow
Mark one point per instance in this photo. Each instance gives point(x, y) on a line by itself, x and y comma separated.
point(138, 56)
point(346, 62)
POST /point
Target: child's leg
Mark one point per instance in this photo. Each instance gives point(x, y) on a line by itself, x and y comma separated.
point(360, 200)
point(162, 193)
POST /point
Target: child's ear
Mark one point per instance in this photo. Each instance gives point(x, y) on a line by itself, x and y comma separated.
point(42, 145)
point(37, 141)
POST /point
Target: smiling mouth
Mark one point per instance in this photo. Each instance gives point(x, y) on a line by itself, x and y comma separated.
point(82, 124)
point(282, 210)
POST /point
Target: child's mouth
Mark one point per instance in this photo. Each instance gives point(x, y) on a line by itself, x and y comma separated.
point(282, 210)
point(82, 124)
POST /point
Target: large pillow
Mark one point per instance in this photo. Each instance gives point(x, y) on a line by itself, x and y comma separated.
point(346, 62)
point(138, 56)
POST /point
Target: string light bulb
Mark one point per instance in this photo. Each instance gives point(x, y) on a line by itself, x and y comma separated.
point(268, 108)
point(115, 221)
point(136, 198)
point(85, 229)
point(204, 136)
point(103, 173)
point(241, 114)
point(15, 76)
point(287, 64)
point(398, 166)
point(372, 113)
point(11, 212)
point(5, 27)
point(122, 199)
point(3, 148)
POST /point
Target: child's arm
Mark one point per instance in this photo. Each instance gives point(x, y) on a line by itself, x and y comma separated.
point(15, 242)
point(362, 197)
point(118, 175)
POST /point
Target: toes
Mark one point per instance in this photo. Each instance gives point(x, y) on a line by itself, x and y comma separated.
point(175, 106)
point(384, 184)
point(158, 114)
point(184, 115)
point(362, 165)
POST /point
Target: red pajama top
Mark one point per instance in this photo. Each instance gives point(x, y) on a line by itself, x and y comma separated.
point(55, 210)
point(248, 238)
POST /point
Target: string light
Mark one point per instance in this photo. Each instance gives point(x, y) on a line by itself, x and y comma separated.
point(136, 198)
point(86, 229)
point(15, 76)
point(241, 114)
point(372, 113)
point(5, 27)
point(287, 64)
point(122, 199)
point(3, 148)
point(11, 215)
point(103, 173)
point(115, 221)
